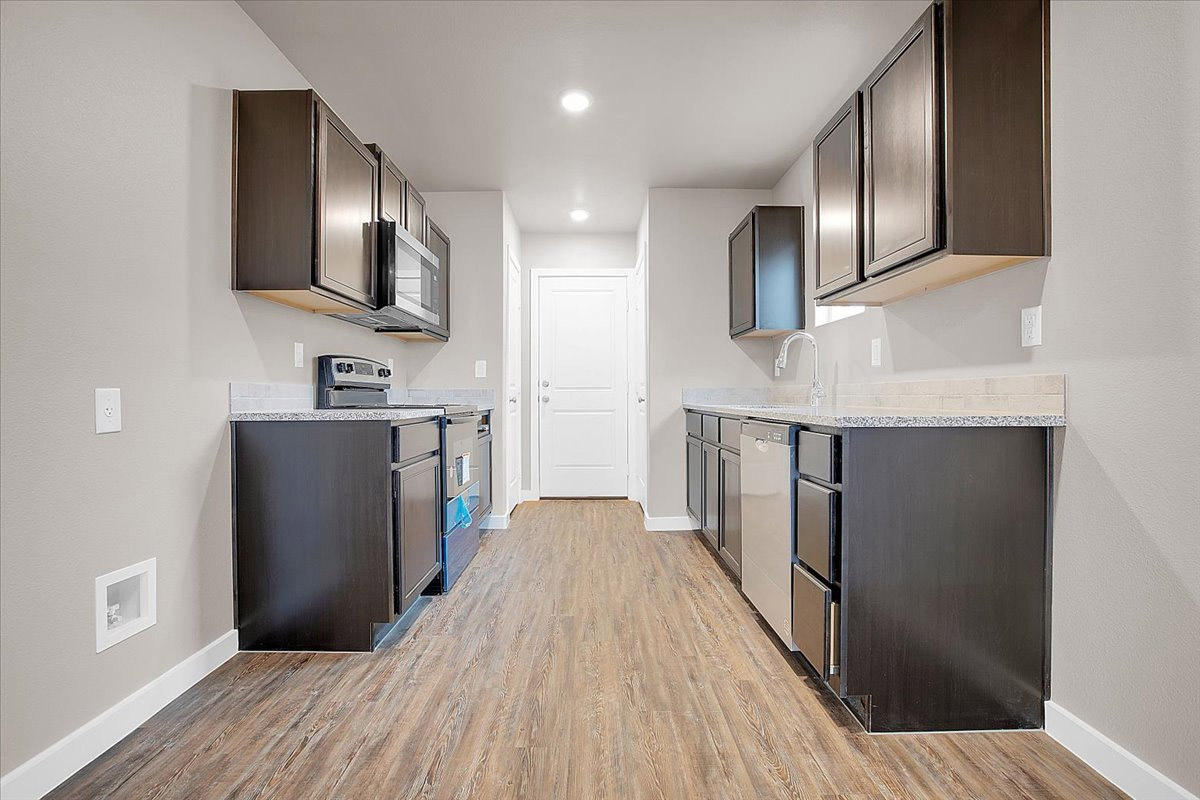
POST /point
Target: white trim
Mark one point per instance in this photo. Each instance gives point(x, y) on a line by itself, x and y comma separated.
point(528, 495)
point(494, 522)
point(68, 755)
point(1126, 771)
point(147, 571)
point(535, 416)
point(684, 523)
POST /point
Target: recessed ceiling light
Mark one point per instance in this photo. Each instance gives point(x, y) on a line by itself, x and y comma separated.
point(575, 101)
point(579, 215)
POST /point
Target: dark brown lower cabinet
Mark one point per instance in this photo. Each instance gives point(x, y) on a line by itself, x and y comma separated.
point(332, 538)
point(920, 580)
point(695, 479)
point(415, 506)
point(313, 547)
point(711, 522)
point(731, 510)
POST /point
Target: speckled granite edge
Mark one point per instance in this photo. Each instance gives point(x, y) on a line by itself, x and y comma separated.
point(336, 415)
point(852, 417)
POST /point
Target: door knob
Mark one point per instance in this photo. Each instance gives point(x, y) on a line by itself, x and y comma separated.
point(545, 383)
point(545, 398)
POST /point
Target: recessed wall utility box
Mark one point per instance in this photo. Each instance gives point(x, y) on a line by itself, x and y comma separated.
point(126, 603)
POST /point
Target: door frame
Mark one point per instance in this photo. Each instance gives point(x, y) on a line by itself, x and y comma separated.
point(511, 438)
point(535, 417)
point(636, 430)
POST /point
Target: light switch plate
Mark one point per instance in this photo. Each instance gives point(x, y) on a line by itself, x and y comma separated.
point(876, 352)
point(108, 410)
point(298, 354)
point(1031, 326)
point(481, 369)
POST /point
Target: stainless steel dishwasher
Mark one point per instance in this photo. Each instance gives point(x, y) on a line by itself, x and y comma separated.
point(768, 478)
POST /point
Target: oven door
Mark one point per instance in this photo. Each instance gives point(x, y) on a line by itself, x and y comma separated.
point(458, 452)
point(412, 274)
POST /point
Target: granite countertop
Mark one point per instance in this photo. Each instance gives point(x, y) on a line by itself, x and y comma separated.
point(336, 414)
point(840, 416)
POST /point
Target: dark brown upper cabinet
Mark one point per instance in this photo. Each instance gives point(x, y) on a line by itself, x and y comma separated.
point(305, 201)
point(766, 272)
point(955, 157)
point(415, 218)
point(901, 169)
point(837, 209)
point(393, 188)
point(400, 201)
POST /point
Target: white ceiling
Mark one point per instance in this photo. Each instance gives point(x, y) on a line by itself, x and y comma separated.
point(687, 94)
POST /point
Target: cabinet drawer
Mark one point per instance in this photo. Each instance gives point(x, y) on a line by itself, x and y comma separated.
point(417, 439)
point(817, 529)
point(693, 423)
point(814, 622)
point(730, 432)
point(818, 456)
point(709, 428)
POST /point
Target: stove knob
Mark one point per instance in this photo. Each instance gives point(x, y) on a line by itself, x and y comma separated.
point(382, 372)
point(339, 367)
point(387, 373)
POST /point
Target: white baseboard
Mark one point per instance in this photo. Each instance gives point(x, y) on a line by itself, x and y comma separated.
point(494, 522)
point(528, 495)
point(68, 755)
point(684, 523)
point(1126, 771)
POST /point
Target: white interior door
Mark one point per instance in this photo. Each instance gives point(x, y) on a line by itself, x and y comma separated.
point(512, 387)
point(637, 380)
point(582, 374)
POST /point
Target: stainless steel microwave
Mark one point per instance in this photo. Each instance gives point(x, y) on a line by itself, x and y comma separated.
point(413, 297)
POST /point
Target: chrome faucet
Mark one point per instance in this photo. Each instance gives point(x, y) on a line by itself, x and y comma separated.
point(818, 391)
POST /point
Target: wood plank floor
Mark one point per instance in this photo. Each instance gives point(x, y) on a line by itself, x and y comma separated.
point(578, 657)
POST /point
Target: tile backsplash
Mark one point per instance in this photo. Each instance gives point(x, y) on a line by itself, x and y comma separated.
point(1031, 394)
point(245, 397)
point(269, 397)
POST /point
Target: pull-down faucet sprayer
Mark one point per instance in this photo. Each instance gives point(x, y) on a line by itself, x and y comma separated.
point(817, 391)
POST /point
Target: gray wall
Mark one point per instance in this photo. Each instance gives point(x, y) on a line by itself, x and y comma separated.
point(1121, 317)
point(576, 251)
point(114, 266)
point(687, 323)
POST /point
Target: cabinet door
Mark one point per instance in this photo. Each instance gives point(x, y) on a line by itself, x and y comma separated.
point(711, 522)
point(731, 510)
point(415, 213)
point(392, 197)
point(439, 244)
point(837, 153)
point(741, 277)
point(695, 479)
point(902, 192)
point(347, 195)
point(417, 530)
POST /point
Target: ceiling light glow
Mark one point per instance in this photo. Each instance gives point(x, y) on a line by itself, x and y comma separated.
point(575, 101)
point(579, 215)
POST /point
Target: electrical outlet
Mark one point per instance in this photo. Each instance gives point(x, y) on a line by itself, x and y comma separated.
point(298, 354)
point(876, 352)
point(108, 410)
point(480, 369)
point(1031, 326)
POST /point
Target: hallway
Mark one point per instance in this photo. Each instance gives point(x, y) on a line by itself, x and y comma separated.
point(578, 657)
